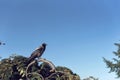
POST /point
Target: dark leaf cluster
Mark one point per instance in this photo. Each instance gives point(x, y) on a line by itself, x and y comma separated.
point(14, 68)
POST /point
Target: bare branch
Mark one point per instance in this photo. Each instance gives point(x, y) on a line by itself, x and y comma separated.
point(40, 60)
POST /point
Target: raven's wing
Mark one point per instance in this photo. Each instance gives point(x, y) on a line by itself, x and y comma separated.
point(41, 51)
point(33, 56)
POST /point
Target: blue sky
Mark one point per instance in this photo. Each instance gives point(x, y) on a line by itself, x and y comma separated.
point(78, 32)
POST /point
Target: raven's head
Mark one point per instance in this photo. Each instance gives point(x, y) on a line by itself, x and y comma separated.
point(44, 44)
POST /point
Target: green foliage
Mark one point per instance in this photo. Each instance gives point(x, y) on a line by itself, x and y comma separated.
point(69, 75)
point(14, 68)
point(10, 68)
point(114, 65)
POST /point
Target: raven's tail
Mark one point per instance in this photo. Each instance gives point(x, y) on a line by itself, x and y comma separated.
point(29, 60)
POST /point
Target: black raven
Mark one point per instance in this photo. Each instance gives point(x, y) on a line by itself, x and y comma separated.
point(1, 43)
point(37, 53)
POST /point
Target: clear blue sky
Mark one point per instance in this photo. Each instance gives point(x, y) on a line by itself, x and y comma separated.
point(78, 32)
